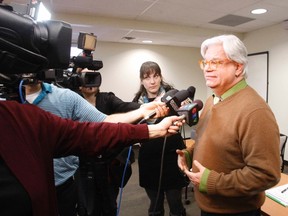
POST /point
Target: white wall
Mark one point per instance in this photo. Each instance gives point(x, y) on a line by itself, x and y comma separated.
point(180, 67)
point(122, 61)
point(274, 40)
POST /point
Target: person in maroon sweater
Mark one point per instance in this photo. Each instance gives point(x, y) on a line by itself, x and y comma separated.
point(31, 138)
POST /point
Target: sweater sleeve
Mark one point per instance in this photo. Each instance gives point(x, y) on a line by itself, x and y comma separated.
point(87, 138)
point(58, 137)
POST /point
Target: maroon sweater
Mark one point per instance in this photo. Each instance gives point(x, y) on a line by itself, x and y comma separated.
point(31, 137)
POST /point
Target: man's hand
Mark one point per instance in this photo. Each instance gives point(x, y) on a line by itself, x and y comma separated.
point(168, 126)
point(195, 177)
point(181, 161)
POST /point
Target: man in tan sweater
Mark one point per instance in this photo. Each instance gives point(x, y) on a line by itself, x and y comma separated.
point(236, 154)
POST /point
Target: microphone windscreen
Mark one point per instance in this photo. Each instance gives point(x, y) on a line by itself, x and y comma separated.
point(181, 96)
point(169, 95)
point(191, 90)
point(199, 103)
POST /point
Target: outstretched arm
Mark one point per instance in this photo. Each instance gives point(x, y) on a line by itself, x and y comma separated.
point(133, 116)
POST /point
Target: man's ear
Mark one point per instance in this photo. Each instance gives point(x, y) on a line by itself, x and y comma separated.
point(239, 69)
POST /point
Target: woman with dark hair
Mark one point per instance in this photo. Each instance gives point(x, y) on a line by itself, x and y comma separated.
point(151, 166)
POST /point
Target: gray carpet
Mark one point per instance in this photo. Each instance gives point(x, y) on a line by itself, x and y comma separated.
point(135, 201)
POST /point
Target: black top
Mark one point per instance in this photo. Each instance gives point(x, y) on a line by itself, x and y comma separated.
point(13, 197)
point(149, 160)
point(109, 104)
point(103, 174)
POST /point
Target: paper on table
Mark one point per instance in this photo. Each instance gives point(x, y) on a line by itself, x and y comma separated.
point(279, 194)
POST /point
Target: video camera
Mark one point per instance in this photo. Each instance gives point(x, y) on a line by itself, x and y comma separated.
point(29, 46)
point(42, 49)
point(76, 77)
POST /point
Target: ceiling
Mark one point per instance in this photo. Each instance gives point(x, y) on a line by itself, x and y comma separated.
point(165, 22)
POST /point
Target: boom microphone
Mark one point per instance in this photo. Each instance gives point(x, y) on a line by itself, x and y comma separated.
point(191, 112)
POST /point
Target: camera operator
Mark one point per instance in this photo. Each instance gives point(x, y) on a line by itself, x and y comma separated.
point(68, 104)
point(101, 176)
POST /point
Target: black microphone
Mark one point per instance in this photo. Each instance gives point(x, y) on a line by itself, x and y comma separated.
point(175, 102)
point(165, 98)
point(191, 112)
point(191, 90)
point(172, 99)
point(169, 95)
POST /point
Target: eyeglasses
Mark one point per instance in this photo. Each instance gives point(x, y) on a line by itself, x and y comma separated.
point(213, 64)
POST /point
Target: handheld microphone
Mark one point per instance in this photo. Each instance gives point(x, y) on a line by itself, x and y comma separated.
point(191, 112)
point(191, 90)
point(166, 98)
point(175, 102)
point(169, 95)
point(172, 99)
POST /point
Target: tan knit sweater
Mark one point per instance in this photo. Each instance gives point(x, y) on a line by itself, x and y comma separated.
point(238, 140)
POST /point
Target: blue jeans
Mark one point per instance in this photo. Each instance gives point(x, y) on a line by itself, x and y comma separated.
point(174, 199)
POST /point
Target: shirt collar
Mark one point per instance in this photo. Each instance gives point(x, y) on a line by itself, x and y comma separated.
point(237, 87)
point(46, 88)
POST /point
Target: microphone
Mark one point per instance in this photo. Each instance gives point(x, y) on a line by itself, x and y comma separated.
point(165, 98)
point(191, 90)
point(168, 96)
point(191, 112)
point(175, 102)
point(172, 99)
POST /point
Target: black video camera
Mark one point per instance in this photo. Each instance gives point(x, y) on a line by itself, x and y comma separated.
point(74, 76)
point(27, 46)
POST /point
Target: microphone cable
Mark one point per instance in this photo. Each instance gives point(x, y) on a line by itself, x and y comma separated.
point(122, 180)
point(22, 99)
point(161, 172)
point(160, 175)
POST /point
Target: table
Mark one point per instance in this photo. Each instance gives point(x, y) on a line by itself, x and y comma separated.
point(273, 208)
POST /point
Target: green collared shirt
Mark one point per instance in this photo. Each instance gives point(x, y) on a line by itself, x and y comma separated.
point(239, 86)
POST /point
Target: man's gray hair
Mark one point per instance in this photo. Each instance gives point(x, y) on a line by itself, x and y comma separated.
point(233, 47)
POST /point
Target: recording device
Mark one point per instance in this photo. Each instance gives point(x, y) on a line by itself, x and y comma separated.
point(191, 90)
point(71, 77)
point(75, 77)
point(175, 102)
point(172, 99)
point(27, 46)
point(42, 49)
point(191, 112)
point(90, 79)
point(166, 98)
point(87, 42)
